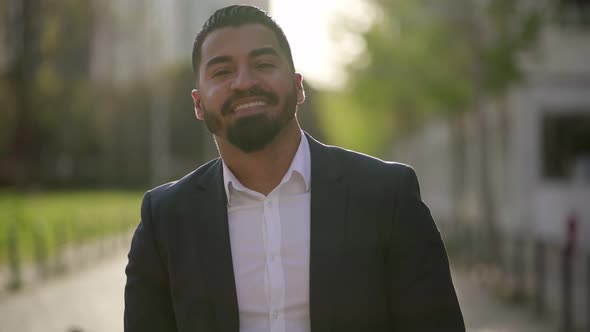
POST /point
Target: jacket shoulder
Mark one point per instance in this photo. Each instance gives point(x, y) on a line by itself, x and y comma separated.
point(363, 164)
point(190, 181)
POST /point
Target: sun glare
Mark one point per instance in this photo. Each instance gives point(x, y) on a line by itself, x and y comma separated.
point(320, 37)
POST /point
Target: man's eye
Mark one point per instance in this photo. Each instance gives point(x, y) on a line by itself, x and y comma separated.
point(265, 65)
point(220, 72)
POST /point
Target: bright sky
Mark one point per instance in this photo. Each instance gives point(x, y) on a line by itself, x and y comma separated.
point(319, 46)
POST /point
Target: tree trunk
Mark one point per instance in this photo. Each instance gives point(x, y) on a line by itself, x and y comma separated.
point(26, 29)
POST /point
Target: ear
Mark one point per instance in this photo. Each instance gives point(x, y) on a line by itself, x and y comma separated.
point(199, 113)
point(300, 89)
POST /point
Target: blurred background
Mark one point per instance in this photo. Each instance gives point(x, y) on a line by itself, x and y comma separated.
point(489, 100)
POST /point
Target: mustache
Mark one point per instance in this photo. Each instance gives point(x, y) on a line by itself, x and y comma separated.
point(270, 97)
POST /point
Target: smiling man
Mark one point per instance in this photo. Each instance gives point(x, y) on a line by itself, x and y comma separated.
point(281, 233)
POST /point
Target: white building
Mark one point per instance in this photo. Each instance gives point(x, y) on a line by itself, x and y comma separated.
point(538, 162)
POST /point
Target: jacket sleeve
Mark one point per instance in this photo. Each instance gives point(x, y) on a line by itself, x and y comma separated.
point(148, 305)
point(422, 294)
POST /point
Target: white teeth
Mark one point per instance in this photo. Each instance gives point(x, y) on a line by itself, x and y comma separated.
point(252, 104)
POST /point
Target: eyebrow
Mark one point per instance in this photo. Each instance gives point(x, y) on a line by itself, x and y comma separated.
point(254, 53)
point(264, 51)
point(216, 60)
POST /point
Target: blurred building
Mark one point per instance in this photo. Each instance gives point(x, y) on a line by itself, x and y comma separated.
point(536, 141)
point(134, 38)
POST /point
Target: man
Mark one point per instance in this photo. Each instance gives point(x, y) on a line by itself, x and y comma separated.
point(281, 233)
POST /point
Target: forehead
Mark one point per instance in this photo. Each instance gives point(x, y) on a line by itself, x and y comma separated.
point(237, 41)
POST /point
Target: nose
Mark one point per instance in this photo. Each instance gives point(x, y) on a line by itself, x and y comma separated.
point(244, 80)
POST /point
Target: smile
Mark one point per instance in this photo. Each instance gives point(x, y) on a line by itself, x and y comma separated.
point(249, 105)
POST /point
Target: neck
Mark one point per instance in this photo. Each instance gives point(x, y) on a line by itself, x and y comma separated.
point(263, 170)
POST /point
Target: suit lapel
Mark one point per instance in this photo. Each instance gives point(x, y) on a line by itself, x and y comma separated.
point(215, 250)
point(328, 213)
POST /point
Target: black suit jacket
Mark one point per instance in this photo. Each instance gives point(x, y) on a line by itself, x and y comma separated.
point(377, 262)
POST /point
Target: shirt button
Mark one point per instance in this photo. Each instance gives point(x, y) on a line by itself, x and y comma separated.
point(275, 314)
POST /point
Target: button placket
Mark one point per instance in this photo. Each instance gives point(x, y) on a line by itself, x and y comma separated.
point(274, 266)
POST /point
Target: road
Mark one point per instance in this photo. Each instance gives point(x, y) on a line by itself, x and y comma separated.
point(92, 301)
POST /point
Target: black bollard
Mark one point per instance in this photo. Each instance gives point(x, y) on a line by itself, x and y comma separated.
point(539, 277)
point(518, 291)
point(15, 281)
point(567, 290)
point(60, 246)
point(40, 247)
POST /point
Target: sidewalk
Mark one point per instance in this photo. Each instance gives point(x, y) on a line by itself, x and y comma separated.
point(92, 301)
point(86, 301)
point(484, 311)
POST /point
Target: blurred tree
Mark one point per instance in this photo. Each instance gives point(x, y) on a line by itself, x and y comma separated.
point(79, 83)
point(43, 84)
point(426, 58)
point(20, 55)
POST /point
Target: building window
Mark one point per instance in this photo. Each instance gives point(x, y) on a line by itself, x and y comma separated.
point(566, 143)
point(573, 12)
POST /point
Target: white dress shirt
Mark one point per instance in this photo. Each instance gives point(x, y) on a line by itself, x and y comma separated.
point(269, 238)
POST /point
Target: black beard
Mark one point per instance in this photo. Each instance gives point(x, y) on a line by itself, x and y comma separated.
point(253, 133)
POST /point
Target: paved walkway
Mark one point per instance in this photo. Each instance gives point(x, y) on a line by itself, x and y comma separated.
point(92, 301)
point(88, 301)
point(486, 312)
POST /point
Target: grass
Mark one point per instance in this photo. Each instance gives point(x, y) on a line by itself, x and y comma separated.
point(41, 223)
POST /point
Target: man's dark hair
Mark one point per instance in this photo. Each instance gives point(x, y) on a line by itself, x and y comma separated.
point(234, 16)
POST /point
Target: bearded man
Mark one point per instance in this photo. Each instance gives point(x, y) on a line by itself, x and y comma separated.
point(281, 233)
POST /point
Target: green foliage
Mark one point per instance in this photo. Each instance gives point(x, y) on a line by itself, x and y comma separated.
point(513, 31)
point(351, 125)
point(7, 115)
point(45, 96)
point(421, 60)
point(64, 42)
point(55, 219)
point(62, 126)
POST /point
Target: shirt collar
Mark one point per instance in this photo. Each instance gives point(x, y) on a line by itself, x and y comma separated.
point(300, 164)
